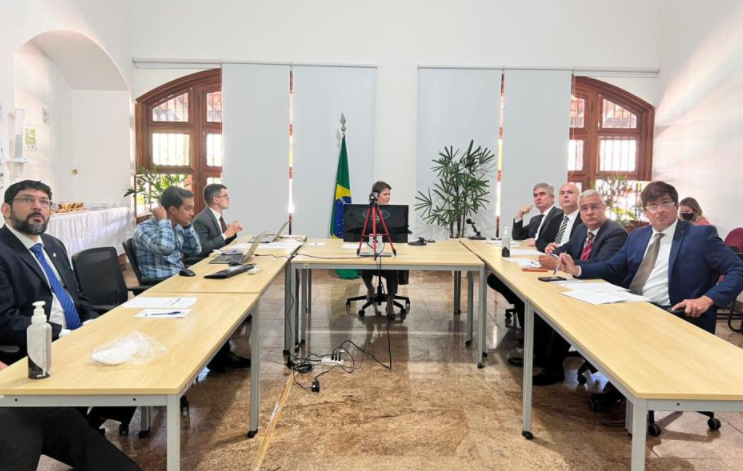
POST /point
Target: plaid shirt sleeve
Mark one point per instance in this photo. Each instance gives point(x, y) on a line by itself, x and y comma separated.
point(155, 244)
point(191, 244)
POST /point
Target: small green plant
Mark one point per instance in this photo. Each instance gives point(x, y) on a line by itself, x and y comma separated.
point(622, 198)
point(462, 190)
point(151, 184)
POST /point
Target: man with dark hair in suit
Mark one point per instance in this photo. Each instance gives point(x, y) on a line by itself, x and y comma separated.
point(213, 231)
point(597, 239)
point(673, 263)
point(35, 267)
point(61, 433)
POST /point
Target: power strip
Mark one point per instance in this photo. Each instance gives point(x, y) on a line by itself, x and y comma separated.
point(328, 361)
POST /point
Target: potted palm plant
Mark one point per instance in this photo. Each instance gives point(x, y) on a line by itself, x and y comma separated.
point(462, 189)
point(150, 186)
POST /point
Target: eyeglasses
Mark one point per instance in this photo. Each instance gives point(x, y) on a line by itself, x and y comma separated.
point(28, 201)
point(656, 208)
point(593, 207)
point(224, 196)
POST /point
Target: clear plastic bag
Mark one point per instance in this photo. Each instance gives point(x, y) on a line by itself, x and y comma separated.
point(136, 348)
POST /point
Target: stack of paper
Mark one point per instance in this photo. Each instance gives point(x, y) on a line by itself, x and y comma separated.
point(601, 293)
point(141, 302)
point(524, 252)
point(282, 244)
point(524, 262)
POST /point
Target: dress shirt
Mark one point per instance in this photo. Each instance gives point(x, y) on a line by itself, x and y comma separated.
point(568, 228)
point(541, 223)
point(656, 287)
point(160, 246)
point(56, 314)
point(218, 215)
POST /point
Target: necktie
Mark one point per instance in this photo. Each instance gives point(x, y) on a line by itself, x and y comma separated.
point(646, 267)
point(222, 223)
point(538, 226)
point(561, 231)
point(68, 306)
point(587, 247)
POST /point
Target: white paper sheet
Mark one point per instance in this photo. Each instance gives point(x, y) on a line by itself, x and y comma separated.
point(163, 313)
point(596, 287)
point(516, 252)
point(283, 244)
point(524, 262)
point(141, 302)
point(603, 297)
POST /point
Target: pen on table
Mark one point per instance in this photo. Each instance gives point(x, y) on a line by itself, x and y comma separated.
point(556, 265)
point(173, 313)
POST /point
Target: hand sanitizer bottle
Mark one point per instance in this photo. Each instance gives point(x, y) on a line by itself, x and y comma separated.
point(506, 250)
point(39, 344)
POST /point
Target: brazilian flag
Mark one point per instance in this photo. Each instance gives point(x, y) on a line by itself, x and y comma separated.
point(342, 198)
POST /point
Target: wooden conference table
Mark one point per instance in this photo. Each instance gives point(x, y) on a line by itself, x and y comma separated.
point(447, 255)
point(190, 342)
point(657, 360)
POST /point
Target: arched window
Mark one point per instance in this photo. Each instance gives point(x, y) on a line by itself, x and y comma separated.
point(179, 130)
point(611, 133)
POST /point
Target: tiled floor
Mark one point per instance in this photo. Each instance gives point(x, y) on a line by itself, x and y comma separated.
point(432, 410)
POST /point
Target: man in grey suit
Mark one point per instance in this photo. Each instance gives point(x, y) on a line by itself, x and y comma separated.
point(209, 224)
point(214, 234)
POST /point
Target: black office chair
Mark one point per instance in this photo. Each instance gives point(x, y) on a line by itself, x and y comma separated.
point(380, 297)
point(731, 310)
point(10, 354)
point(99, 276)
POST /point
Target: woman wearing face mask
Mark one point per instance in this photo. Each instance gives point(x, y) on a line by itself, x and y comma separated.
point(689, 210)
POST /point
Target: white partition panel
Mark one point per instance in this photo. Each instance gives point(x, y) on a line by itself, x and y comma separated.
point(536, 125)
point(255, 132)
point(321, 94)
point(456, 106)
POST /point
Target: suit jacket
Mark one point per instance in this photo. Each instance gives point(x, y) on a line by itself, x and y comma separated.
point(698, 257)
point(210, 232)
point(609, 240)
point(547, 235)
point(22, 283)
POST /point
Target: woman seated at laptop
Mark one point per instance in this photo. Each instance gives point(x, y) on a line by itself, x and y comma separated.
point(383, 189)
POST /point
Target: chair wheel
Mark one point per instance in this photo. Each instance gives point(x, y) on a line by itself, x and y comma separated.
point(123, 430)
point(468, 342)
point(480, 366)
point(143, 433)
point(402, 311)
point(185, 406)
point(582, 379)
point(361, 312)
point(596, 405)
point(654, 430)
point(527, 435)
point(714, 424)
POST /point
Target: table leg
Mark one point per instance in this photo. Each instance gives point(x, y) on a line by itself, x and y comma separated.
point(309, 290)
point(457, 292)
point(173, 411)
point(470, 307)
point(255, 369)
point(146, 421)
point(288, 307)
point(297, 296)
point(482, 319)
point(528, 368)
point(303, 311)
point(639, 428)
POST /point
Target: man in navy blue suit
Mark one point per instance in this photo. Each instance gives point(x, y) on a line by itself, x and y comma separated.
point(597, 239)
point(673, 263)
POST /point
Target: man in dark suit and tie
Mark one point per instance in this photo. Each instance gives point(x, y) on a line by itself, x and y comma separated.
point(213, 231)
point(542, 228)
point(35, 267)
point(673, 263)
point(571, 220)
point(596, 240)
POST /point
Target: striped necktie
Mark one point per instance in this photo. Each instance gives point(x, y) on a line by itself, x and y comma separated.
point(561, 232)
point(587, 247)
point(68, 306)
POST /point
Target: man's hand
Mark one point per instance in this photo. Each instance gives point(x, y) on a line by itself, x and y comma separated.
point(531, 242)
point(567, 264)
point(550, 248)
point(694, 307)
point(548, 261)
point(524, 210)
point(233, 229)
point(2, 365)
point(160, 213)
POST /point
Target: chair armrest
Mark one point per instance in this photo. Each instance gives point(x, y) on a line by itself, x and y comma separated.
point(102, 308)
point(136, 290)
point(10, 349)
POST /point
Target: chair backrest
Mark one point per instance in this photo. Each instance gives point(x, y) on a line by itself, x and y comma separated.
point(130, 254)
point(99, 276)
point(735, 238)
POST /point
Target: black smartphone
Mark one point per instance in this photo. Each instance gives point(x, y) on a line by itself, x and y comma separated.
point(551, 278)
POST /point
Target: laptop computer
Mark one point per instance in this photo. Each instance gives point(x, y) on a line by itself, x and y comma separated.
point(239, 258)
point(269, 238)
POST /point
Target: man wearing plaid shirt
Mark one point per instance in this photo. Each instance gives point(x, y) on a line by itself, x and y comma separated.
point(161, 241)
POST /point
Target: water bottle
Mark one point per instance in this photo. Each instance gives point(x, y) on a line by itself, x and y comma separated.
point(39, 344)
point(506, 238)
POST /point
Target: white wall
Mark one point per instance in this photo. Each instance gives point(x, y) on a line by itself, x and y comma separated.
point(397, 36)
point(100, 145)
point(698, 138)
point(40, 83)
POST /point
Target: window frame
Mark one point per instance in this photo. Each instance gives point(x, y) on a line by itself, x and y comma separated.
point(197, 86)
point(594, 91)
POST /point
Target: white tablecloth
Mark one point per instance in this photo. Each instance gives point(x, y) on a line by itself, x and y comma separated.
point(90, 229)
